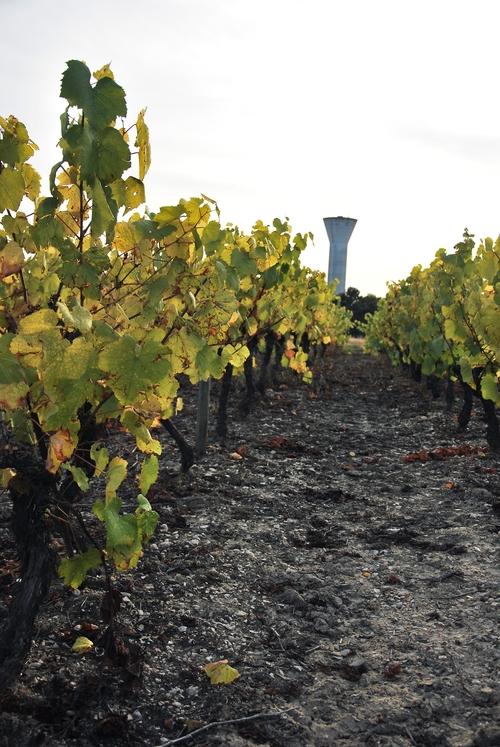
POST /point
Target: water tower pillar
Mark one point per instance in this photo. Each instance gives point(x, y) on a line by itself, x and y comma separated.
point(339, 232)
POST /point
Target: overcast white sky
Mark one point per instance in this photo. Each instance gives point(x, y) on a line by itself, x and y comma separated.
point(387, 111)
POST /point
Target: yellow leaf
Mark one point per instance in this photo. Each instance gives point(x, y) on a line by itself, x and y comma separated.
point(6, 476)
point(252, 326)
point(38, 322)
point(125, 239)
point(220, 673)
point(104, 72)
point(61, 447)
point(11, 259)
point(82, 645)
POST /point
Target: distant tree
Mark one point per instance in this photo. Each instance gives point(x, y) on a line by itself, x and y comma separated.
point(359, 305)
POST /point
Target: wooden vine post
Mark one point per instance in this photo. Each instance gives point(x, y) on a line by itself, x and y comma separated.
point(202, 417)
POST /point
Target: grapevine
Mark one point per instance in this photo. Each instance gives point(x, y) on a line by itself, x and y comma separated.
point(444, 320)
point(103, 306)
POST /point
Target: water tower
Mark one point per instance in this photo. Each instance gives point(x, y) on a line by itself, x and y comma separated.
point(339, 232)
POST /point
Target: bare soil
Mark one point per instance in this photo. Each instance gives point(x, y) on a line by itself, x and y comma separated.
point(355, 592)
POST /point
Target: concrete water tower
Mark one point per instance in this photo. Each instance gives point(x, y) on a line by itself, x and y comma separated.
point(339, 232)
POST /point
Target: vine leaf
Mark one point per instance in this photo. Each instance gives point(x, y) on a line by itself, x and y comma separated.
point(148, 474)
point(61, 448)
point(117, 471)
point(82, 645)
point(74, 570)
point(220, 673)
point(11, 188)
point(75, 84)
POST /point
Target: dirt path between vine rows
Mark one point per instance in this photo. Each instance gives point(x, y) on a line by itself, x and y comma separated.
point(355, 592)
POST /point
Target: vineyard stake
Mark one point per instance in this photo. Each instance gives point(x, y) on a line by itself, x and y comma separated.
point(202, 416)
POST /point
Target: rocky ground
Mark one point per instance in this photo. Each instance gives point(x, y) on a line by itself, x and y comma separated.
point(356, 592)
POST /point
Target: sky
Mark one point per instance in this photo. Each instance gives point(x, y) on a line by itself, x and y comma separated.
point(384, 111)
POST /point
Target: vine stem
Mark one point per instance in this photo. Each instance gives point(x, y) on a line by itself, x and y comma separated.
point(229, 722)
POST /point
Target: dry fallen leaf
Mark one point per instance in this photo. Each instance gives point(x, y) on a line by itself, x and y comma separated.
point(89, 627)
point(220, 673)
point(393, 579)
point(82, 645)
point(392, 670)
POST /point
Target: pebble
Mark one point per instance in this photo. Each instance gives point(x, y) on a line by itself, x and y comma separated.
point(293, 598)
point(354, 668)
point(479, 494)
point(321, 626)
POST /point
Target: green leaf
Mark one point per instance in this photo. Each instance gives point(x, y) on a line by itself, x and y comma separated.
point(79, 361)
point(46, 207)
point(490, 388)
point(123, 535)
point(243, 263)
point(209, 363)
point(147, 519)
point(213, 237)
point(104, 332)
point(13, 150)
point(100, 456)
point(133, 367)
point(11, 189)
point(271, 277)
point(48, 231)
point(117, 471)
point(79, 147)
point(148, 474)
point(233, 279)
point(10, 369)
point(102, 215)
point(79, 476)
point(466, 372)
point(112, 154)
point(75, 84)
point(73, 570)
point(135, 425)
point(107, 103)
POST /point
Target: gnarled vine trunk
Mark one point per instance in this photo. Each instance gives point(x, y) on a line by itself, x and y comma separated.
point(492, 427)
point(465, 412)
point(185, 449)
point(250, 390)
point(225, 390)
point(266, 358)
point(30, 494)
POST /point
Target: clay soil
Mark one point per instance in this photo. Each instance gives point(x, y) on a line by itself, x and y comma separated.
point(355, 592)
